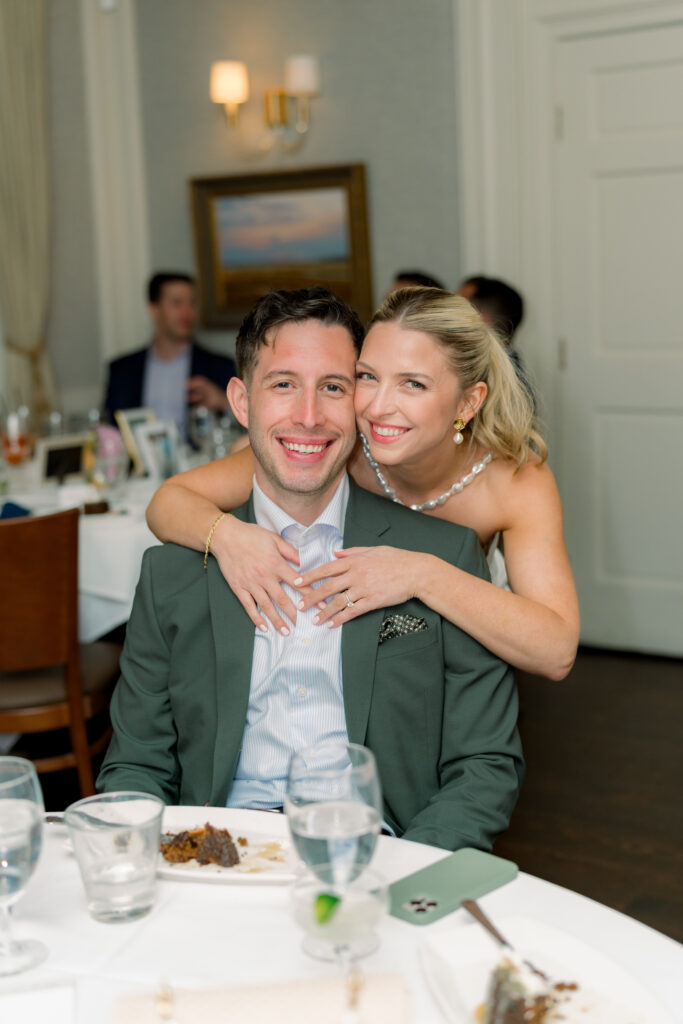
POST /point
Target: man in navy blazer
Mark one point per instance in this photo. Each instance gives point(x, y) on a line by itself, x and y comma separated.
point(174, 371)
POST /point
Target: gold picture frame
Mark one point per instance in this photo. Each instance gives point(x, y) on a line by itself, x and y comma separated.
point(281, 229)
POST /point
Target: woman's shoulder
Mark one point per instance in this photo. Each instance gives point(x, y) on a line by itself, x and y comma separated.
point(517, 490)
point(533, 473)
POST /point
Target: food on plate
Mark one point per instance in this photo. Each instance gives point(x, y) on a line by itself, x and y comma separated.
point(206, 845)
point(519, 994)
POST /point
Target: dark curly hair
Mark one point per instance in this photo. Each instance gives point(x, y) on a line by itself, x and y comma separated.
point(282, 307)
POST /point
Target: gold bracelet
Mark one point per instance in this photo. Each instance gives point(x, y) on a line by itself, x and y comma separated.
point(207, 546)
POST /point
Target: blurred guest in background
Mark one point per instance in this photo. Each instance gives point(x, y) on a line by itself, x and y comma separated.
point(413, 279)
point(502, 307)
point(174, 371)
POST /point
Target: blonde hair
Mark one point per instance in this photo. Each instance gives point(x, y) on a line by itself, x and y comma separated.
point(505, 423)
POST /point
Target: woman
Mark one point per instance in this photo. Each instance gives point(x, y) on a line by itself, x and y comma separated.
point(447, 429)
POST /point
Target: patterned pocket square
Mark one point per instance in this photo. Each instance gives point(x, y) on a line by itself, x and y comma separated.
point(399, 625)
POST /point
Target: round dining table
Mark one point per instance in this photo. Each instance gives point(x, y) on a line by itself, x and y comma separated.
point(217, 935)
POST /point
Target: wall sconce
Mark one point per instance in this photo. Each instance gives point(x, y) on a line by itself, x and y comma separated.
point(229, 85)
point(287, 110)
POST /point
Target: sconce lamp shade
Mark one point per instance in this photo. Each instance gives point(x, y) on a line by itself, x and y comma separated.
point(229, 82)
point(302, 75)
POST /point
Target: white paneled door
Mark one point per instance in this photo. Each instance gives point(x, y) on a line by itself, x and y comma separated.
point(618, 232)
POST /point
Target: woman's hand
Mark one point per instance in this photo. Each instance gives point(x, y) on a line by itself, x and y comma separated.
point(255, 562)
point(367, 577)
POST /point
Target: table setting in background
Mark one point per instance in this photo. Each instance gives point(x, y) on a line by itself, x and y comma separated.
point(322, 919)
point(111, 545)
point(88, 468)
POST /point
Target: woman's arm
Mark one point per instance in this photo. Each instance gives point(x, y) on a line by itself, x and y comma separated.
point(535, 628)
point(185, 506)
point(254, 561)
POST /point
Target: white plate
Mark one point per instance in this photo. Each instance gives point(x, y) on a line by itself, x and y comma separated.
point(268, 857)
point(457, 965)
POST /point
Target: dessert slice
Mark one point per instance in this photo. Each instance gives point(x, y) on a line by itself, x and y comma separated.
point(206, 845)
point(517, 994)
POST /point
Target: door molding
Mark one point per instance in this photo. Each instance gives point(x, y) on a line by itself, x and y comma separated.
point(503, 54)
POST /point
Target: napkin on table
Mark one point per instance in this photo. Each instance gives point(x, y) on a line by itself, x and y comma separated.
point(383, 999)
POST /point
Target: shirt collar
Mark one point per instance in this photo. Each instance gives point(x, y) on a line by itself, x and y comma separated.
point(272, 517)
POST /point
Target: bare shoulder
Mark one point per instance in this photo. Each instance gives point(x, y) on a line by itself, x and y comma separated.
point(518, 492)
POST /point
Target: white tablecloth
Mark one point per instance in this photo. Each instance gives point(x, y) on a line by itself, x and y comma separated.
point(227, 934)
point(111, 546)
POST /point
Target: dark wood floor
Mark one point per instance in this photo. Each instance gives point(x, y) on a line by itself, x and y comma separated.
point(601, 811)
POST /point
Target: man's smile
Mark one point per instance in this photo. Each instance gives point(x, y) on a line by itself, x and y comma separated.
point(305, 450)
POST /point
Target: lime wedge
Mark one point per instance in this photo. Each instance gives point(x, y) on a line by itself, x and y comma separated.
point(325, 906)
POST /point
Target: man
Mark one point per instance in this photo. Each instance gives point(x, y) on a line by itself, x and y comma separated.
point(174, 371)
point(502, 307)
point(499, 303)
point(208, 710)
point(412, 279)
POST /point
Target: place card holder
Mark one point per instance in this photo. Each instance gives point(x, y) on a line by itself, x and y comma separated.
point(383, 999)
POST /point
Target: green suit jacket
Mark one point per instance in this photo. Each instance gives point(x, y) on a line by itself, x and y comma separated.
point(438, 709)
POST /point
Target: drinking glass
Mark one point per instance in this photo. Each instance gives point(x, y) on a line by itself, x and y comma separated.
point(200, 426)
point(17, 442)
point(115, 838)
point(340, 920)
point(334, 807)
point(21, 832)
point(111, 460)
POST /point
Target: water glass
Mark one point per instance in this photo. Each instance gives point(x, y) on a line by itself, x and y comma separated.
point(21, 831)
point(115, 838)
point(334, 808)
point(200, 425)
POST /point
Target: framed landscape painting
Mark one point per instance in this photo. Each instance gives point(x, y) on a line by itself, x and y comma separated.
point(284, 229)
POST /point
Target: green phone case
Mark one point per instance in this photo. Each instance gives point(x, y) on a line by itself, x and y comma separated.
point(432, 892)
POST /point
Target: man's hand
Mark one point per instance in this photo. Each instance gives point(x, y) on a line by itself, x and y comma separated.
point(201, 391)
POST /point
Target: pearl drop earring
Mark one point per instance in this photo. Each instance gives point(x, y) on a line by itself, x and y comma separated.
point(458, 427)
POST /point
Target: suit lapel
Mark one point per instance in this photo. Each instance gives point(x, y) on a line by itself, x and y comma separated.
point(364, 524)
point(233, 636)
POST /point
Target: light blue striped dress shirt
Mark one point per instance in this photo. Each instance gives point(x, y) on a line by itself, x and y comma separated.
point(296, 696)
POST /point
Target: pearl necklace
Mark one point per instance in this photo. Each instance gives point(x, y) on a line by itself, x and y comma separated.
point(477, 468)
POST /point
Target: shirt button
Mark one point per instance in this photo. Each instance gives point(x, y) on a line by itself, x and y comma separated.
point(305, 640)
point(302, 691)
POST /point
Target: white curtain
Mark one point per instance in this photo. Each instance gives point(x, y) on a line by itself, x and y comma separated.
point(24, 202)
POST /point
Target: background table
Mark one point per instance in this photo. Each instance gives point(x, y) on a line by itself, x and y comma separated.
point(110, 546)
point(215, 935)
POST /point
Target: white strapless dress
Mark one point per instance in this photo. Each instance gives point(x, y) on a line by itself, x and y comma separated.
point(496, 561)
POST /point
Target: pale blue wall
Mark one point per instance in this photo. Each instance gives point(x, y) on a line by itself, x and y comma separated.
point(388, 101)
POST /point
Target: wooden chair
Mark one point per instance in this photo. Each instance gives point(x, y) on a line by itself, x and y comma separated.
point(47, 680)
